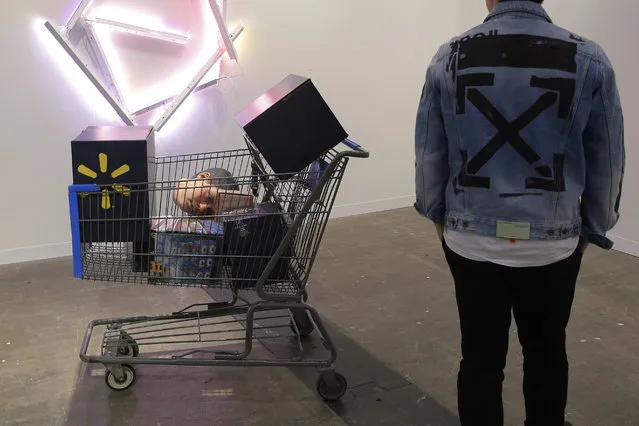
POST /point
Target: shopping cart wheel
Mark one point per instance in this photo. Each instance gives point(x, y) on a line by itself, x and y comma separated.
point(119, 385)
point(302, 324)
point(128, 346)
point(333, 391)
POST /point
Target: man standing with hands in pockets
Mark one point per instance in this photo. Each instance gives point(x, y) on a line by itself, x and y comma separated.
point(519, 163)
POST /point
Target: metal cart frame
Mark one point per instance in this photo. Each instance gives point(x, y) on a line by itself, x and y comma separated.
point(256, 312)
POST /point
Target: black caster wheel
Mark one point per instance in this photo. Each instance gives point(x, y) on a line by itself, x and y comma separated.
point(120, 385)
point(128, 346)
point(302, 324)
point(332, 393)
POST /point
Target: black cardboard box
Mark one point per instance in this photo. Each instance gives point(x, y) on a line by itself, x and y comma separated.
point(117, 157)
point(291, 125)
point(251, 238)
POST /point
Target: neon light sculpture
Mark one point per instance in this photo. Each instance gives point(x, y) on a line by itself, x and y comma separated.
point(85, 24)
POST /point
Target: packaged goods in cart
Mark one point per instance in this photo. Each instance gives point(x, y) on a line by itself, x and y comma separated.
point(185, 225)
point(188, 249)
point(315, 173)
point(251, 238)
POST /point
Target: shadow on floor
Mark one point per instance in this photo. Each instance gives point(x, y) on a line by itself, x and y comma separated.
point(377, 394)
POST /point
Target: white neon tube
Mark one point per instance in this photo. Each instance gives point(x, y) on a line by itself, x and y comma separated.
point(142, 31)
point(221, 24)
point(234, 35)
point(76, 58)
point(179, 100)
point(100, 57)
point(78, 14)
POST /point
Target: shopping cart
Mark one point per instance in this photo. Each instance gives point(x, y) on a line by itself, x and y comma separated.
point(257, 259)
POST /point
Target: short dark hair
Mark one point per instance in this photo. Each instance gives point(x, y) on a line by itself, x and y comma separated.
point(536, 1)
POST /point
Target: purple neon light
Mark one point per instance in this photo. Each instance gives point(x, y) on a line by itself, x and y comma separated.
point(73, 13)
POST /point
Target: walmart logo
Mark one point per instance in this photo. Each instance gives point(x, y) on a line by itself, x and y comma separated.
point(104, 167)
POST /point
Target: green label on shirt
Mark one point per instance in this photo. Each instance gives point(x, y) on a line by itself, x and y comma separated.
point(513, 230)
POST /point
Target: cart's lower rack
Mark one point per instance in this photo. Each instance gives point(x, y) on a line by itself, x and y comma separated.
point(213, 334)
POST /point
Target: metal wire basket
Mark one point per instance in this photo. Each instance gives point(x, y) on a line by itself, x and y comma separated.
point(269, 248)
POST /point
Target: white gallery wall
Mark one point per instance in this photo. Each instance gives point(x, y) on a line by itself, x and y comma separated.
point(613, 26)
point(368, 61)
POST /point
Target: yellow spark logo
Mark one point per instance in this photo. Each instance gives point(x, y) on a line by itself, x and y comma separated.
point(104, 167)
point(157, 268)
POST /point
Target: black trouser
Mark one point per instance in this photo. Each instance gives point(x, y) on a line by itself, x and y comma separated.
point(541, 300)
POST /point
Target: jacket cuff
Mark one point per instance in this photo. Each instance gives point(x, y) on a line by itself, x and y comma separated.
point(437, 215)
point(598, 240)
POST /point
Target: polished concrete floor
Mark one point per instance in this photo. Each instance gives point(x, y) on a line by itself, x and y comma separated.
point(383, 287)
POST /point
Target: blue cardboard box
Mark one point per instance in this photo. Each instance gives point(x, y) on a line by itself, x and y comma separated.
point(189, 258)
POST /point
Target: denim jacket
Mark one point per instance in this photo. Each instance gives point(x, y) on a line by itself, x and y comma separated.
point(520, 121)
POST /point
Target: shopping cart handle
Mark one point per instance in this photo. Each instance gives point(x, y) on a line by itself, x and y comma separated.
point(358, 151)
point(76, 189)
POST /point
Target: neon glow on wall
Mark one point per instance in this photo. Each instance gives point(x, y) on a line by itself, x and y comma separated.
point(94, 25)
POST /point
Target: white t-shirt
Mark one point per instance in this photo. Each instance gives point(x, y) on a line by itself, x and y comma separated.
point(517, 254)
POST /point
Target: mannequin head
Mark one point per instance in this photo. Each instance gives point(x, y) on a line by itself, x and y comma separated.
point(211, 192)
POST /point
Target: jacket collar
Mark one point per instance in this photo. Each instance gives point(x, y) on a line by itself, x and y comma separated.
point(533, 9)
